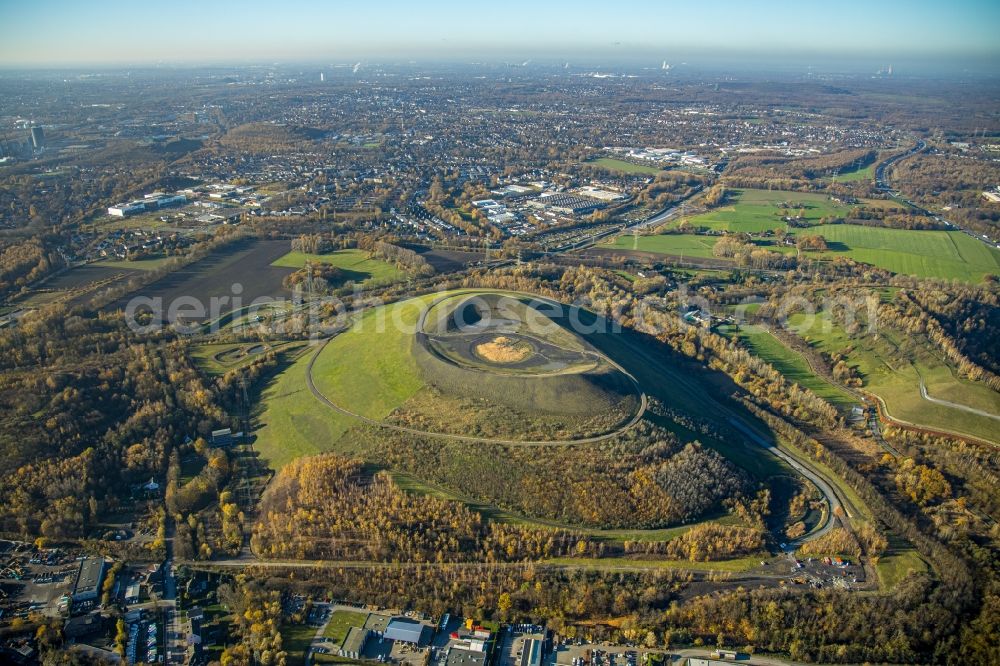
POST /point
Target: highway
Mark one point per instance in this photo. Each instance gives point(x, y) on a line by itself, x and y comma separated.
point(653, 221)
point(880, 180)
point(882, 183)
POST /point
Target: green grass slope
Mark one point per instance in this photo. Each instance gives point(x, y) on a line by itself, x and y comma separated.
point(356, 263)
point(891, 365)
point(791, 364)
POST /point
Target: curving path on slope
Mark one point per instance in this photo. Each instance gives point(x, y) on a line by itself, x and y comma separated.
point(955, 405)
point(824, 486)
point(643, 402)
point(832, 499)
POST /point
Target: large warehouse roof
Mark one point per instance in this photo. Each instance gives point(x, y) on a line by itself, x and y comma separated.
point(407, 631)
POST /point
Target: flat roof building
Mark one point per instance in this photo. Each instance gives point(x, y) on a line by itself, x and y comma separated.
point(568, 204)
point(408, 631)
point(532, 653)
point(354, 643)
point(132, 593)
point(460, 657)
point(222, 437)
point(88, 579)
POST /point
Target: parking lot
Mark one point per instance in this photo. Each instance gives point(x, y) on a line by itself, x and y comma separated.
point(514, 641)
point(595, 655)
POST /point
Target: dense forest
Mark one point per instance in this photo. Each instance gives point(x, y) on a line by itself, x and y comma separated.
point(329, 507)
point(89, 413)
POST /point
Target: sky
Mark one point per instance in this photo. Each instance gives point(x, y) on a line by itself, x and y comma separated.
point(89, 32)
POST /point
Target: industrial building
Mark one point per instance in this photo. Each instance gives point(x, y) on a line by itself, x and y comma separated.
point(568, 204)
point(89, 577)
point(532, 653)
point(600, 193)
point(354, 643)
point(407, 631)
point(461, 657)
point(153, 201)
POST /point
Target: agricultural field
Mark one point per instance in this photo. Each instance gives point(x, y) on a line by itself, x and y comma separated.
point(76, 283)
point(145, 264)
point(892, 366)
point(933, 254)
point(755, 211)
point(356, 265)
point(243, 269)
point(683, 245)
point(929, 254)
point(445, 261)
point(625, 167)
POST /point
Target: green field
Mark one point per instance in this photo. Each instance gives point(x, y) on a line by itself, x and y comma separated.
point(341, 622)
point(220, 358)
point(147, 221)
point(935, 254)
point(759, 210)
point(356, 264)
point(855, 175)
point(370, 370)
point(296, 639)
point(390, 375)
point(624, 167)
point(293, 423)
point(892, 364)
point(896, 564)
point(929, 254)
point(687, 245)
point(795, 368)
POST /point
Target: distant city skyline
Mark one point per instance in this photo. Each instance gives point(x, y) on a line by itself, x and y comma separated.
point(61, 32)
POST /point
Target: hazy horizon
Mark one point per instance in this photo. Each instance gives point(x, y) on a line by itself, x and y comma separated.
point(57, 33)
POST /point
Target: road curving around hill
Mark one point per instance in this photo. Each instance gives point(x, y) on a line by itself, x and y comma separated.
point(643, 400)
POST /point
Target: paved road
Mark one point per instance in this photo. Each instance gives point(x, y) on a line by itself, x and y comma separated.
point(652, 221)
point(889, 417)
point(832, 500)
point(643, 401)
point(174, 651)
point(678, 656)
point(882, 183)
point(583, 564)
point(880, 180)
